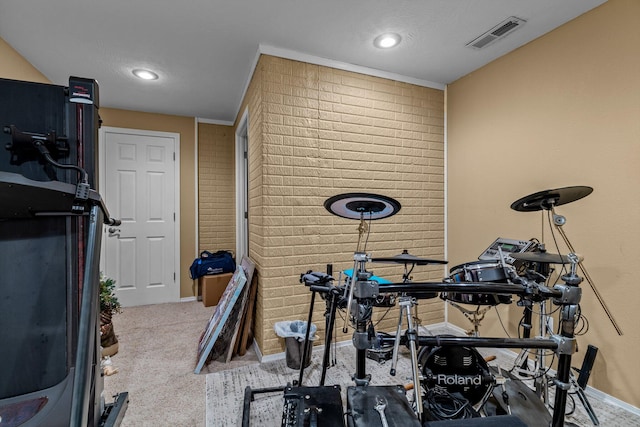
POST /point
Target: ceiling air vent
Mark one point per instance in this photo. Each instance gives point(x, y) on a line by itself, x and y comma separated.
point(499, 31)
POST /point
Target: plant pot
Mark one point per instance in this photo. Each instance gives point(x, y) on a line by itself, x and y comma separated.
point(108, 339)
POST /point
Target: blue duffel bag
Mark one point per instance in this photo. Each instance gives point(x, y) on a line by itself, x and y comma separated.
point(212, 263)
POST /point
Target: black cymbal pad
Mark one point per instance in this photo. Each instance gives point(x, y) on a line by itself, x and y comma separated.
point(362, 205)
point(547, 199)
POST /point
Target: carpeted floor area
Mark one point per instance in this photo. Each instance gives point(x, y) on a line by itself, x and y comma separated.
point(155, 362)
point(157, 357)
point(225, 389)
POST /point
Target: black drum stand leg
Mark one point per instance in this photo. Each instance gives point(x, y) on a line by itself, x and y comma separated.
point(396, 345)
point(526, 333)
point(361, 343)
point(330, 319)
point(563, 384)
point(570, 300)
point(585, 402)
point(307, 343)
point(541, 381)
point(583, 377)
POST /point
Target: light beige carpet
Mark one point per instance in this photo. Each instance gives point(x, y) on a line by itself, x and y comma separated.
point(158, 355)
point(225, 389)
point(155, 363)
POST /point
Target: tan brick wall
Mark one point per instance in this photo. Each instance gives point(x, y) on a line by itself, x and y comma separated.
point(253, 104)
point(326, 132)
point(216, 187)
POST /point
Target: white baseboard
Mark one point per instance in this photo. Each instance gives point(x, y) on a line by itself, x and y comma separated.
point(280, 356)
point(257, 350)
point(605, 398)
point(188, 299)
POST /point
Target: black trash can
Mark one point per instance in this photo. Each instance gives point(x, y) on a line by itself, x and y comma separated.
point(294, 333)
point(294, 351)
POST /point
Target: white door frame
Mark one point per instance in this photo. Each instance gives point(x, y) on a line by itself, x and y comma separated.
point(242, 196)
point(176, 189)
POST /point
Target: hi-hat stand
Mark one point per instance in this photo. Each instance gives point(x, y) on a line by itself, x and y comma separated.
point(541, 271)
point(541, 383)
point(406, 303)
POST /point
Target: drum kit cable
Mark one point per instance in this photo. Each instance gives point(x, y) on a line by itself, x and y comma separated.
point(450, 378)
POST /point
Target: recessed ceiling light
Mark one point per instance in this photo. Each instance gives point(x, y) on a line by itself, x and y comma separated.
point(145, 74)
point(385, 41)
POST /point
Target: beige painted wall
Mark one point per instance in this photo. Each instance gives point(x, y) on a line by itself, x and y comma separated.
point(316, 132)
point(14, 66)
point(563, 110)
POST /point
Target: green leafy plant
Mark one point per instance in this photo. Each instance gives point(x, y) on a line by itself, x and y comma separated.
point(109, 305)
point(108, 301)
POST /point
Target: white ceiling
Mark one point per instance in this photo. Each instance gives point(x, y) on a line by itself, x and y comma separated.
point(205, 50)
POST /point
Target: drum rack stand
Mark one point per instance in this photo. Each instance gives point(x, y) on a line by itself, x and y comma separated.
point(541, 380)
point(566, 295)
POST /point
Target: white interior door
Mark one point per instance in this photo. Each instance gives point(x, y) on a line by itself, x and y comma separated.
point(138, 181)
point(242, 187)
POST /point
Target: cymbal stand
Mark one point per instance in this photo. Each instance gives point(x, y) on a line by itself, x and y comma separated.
point(359, 260)
point(406, 278)
point(569, 302)
point(541, 383)
point(362, 294)
point(406, 303)
point(559, 221)
point(569, 313)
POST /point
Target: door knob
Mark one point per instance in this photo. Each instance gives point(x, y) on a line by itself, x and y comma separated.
point(113, 230)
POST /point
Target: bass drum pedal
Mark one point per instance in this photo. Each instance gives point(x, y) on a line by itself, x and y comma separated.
point(379, 405)
point(312, 406)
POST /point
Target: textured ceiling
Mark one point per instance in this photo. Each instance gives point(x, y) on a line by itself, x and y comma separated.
point(205, 50)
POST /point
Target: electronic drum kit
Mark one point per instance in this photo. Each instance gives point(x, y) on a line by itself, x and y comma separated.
point(451, 380)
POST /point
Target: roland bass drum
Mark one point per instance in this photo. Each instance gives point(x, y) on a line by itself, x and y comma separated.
point(459, 371)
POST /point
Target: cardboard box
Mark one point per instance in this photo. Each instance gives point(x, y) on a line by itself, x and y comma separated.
point(213, 287)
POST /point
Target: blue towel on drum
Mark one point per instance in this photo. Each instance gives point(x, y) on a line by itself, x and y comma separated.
point(380, 280)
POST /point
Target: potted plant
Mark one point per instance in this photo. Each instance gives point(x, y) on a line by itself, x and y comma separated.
point(109, 305)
